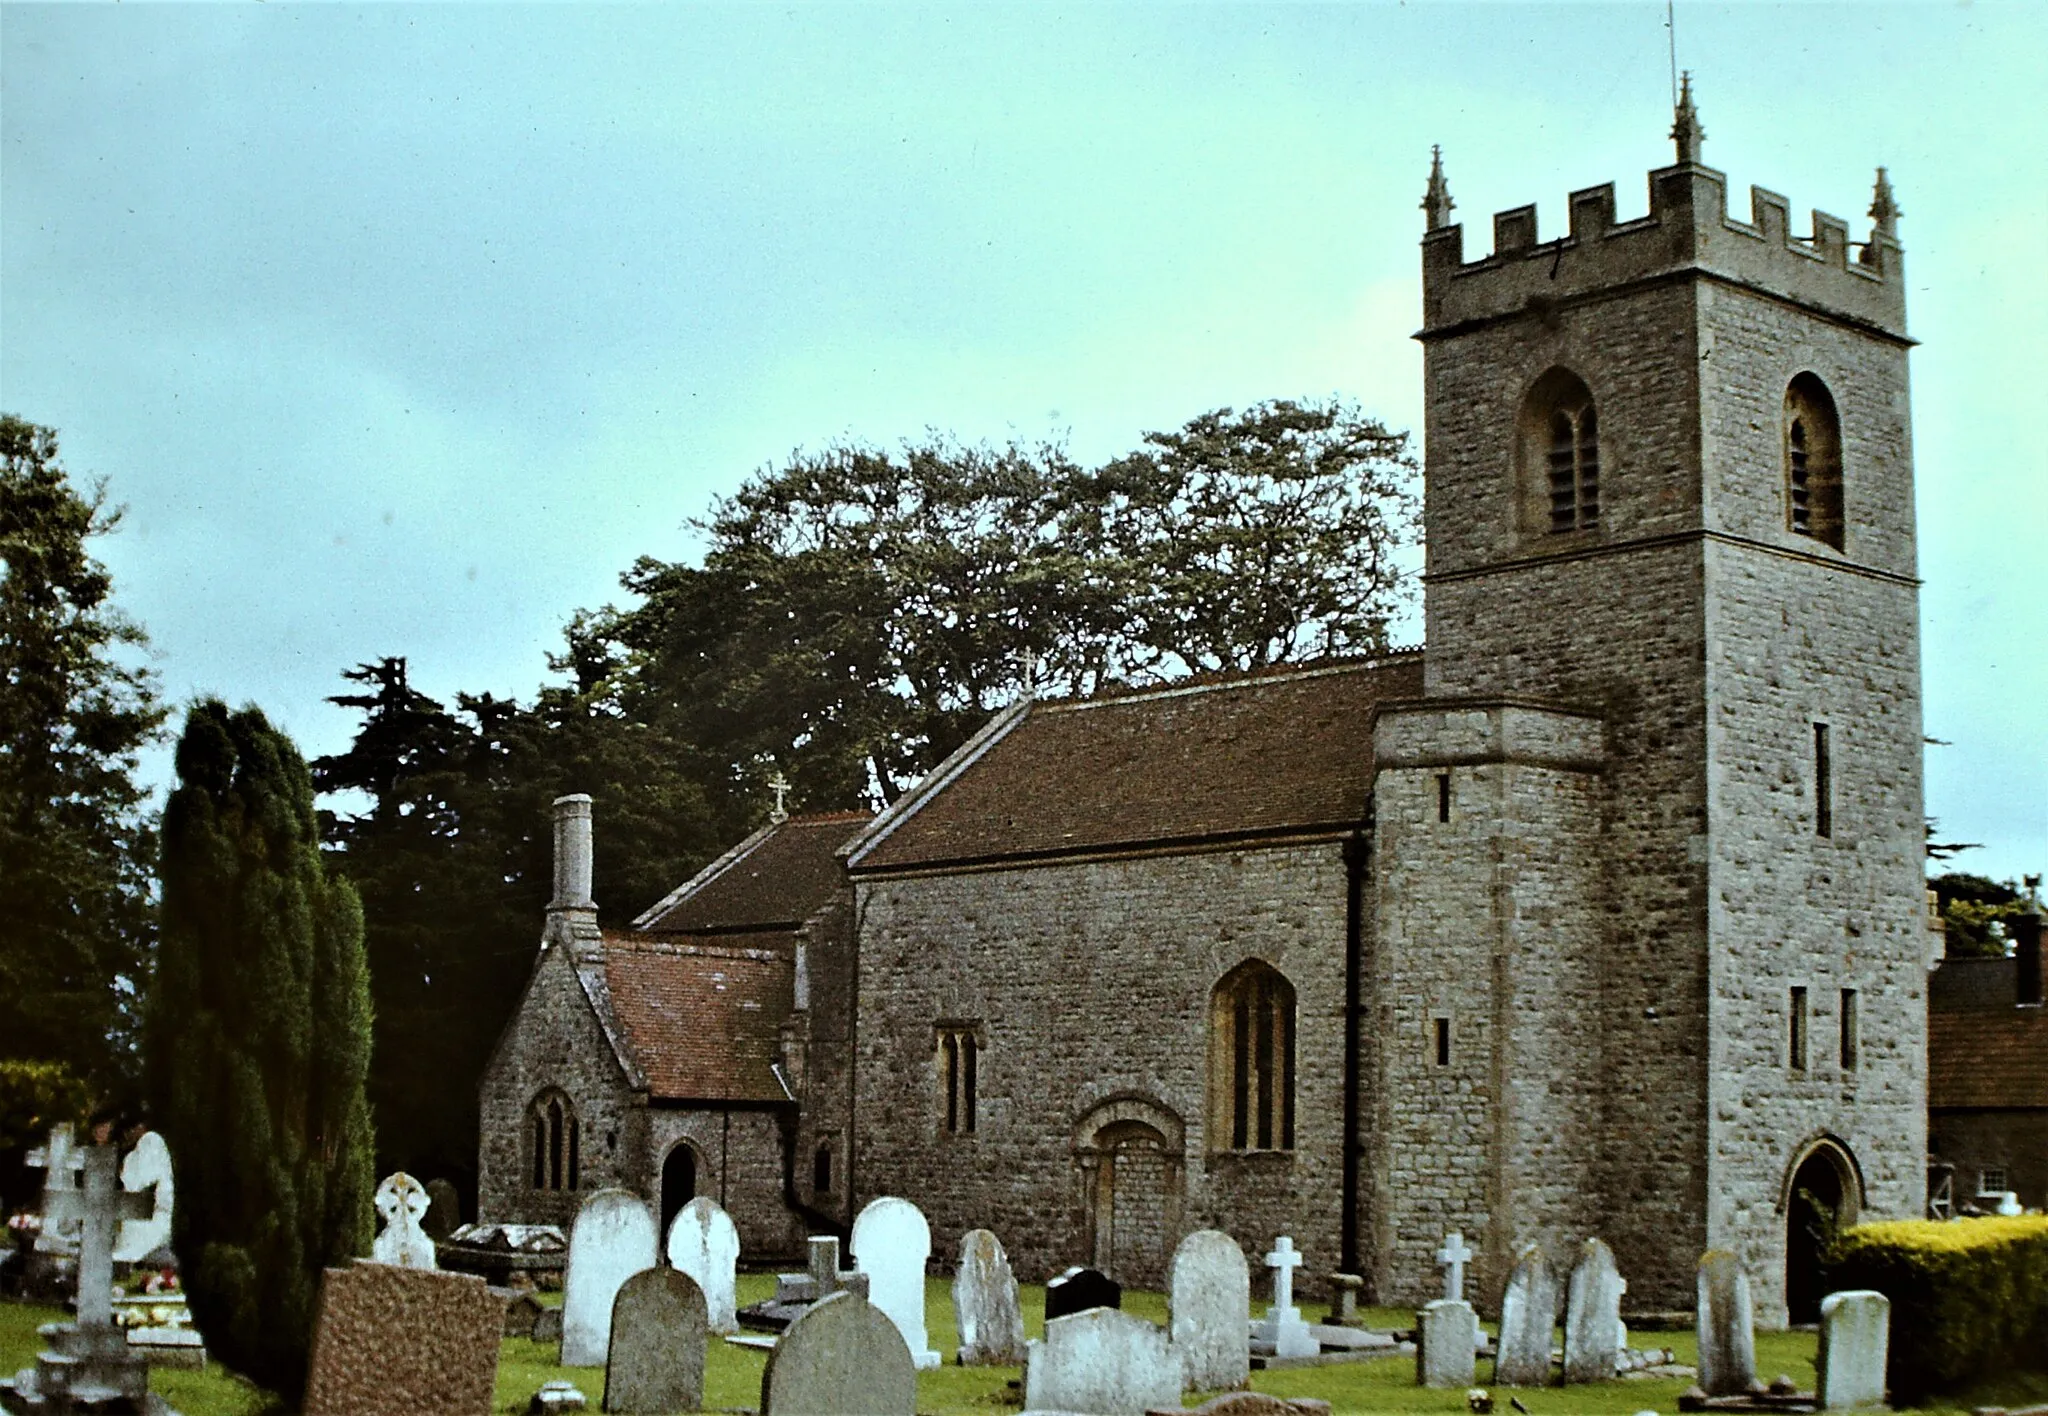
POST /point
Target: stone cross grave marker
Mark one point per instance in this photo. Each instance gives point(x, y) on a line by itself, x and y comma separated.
point(1452, 1258)
point(704, 1243)
point(659, 1332)
point(147, 1168)
point(1104, 1360)
point(1209, 1306)
point(1528, 1312)
point(403, 1201)
point(1079, 1289)
point(612, 1239)
point(1855, 1343)
point(1283, 1325)
point(842, 1355)
point(985, 1309)
point(827, 1278)
point(1727, 1336)
point(62, 1160)
point(891, 1243)
point(1592, 1319)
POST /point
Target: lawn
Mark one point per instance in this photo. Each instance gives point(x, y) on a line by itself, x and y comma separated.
point(733, 1374)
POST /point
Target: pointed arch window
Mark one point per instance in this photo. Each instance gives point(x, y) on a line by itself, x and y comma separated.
point(1813, 462)
point(1251, 1060)
point(557, 1142)
point(1560, 442)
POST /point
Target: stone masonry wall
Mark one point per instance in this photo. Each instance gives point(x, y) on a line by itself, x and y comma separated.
point(739, 1164)
point(1091, 984)
point(554, 1040)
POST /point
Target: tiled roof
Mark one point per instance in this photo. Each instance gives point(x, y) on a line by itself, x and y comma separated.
point(1284, 750)
point(1988, 1057)
point(776, 879)
point(703, 1019)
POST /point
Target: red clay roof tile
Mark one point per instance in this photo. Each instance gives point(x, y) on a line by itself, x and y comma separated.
point(778, 883)
point(1996, 1058)
point(704, 1019)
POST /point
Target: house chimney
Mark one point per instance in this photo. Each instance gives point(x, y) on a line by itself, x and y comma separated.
point(572, 914)
point(2025, 929)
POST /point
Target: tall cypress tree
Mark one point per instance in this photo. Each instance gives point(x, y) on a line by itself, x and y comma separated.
point(257, 1037)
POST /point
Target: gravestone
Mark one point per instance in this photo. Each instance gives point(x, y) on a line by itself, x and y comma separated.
point(891, 1243)
point(1452, 1258)
point(1727, 1337)
point(843, 1355)
point(62, 1161)
point(444, 1210)
point(1528, 1313)
point(1592, 1318)
point(1079, 1289)
point(392, 1341)
point(1446, 1342)
point(1344, 1299)
point(402, 1201)
point(985, 1309)
point(1209, 1307)
point(522, 1310)
point(1103, 1361)
point(612, 1239)
point(1855, 1344)
point(1283, 1325)
point(147, 1168)
point(659, 1329)
point(547, 1326)
point(90, 1356)
point(704, 1243)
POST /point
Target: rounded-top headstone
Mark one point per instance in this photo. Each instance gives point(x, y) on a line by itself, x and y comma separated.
point(842, 1355)
point(1209, 1300)
point(656, 1363)
point(1855, 1345)
point(986, 1313)
point(612, 1239)
point(891, 1243)
point(1592, 1319)
point(704, 1243)
point(1528, 1312)
point(1727, 1337)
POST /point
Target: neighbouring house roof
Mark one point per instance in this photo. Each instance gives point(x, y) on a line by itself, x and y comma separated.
point(774, 880)
point(1994, 1058)
point(1973, 983)
point(703, 1019)
point(1273, 753)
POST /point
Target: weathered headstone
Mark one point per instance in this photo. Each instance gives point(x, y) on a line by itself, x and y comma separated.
point(62, 1161)
point(148, 1167)
point(1528, 1313)
point(402, 1200)
point(1855, 1344)
point(547, 1326)
point(1103, 1361)
point(659, 1330)
point(891, 1243)
point(612, 1239)
point(1344, 1299)
point(1446, 1342)
point(1209, 1306)
point(843, 1356)
point(444, 1212)
point(985, 1309)
point(704, 1243)
point(1079, 1289)
point(1727, 1336)
point(1592, 1318)
point(522, 1310)
point(394, 1341)
point(1283, 1325)
point(90, 1355)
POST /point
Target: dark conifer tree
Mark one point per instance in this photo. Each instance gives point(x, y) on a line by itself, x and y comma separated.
point(257, 1037)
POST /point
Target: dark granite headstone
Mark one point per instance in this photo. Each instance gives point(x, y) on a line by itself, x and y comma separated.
point(1079, 1289)
point(394, 1341)
point(659, 1329)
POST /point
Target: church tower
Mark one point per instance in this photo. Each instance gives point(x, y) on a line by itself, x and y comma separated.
point(1651, 952)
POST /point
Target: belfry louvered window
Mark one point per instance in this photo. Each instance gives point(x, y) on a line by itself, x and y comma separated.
point(1560, 456)
point(1574, 470)
point(1813, 462)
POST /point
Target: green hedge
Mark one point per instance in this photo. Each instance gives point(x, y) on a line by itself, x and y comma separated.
point(1969, 1296)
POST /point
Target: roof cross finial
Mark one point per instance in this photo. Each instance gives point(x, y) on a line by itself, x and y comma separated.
point(1685, 126)
point(1027, 670)
point(779, 785)
point(1884, 207)
point(1436, 202)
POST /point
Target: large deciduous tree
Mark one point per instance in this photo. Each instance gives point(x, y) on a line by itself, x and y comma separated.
point(75, 833)
point(257, 1039)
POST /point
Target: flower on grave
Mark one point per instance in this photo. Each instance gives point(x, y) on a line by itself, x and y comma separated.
point(1479, 1399)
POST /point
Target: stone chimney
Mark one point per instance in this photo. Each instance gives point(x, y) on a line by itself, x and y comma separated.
point(572, 914)
point(2025, 929)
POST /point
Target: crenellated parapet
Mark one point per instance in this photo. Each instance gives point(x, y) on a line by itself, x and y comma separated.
point(1688, 230)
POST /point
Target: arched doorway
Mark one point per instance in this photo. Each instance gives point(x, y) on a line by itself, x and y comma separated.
point(678, 1184)
point(1823, 1194)
point(1128, 1153)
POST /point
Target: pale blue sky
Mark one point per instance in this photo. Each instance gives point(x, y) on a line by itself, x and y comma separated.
point(404, 330)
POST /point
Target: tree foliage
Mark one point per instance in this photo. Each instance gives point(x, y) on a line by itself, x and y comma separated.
point(75, 833)
point(1974, 910)
point(257, 1038)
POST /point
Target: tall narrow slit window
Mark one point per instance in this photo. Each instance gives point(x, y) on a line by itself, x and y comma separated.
point(1848, 1023)
point(1443, 796)
point(959, 1075)
point(1795, 1041)
point(1442, 1027)
point(1813, 462)
point(1823, 782)
point(1560, 440)
point(557, 1143)
point(1251, 1060)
